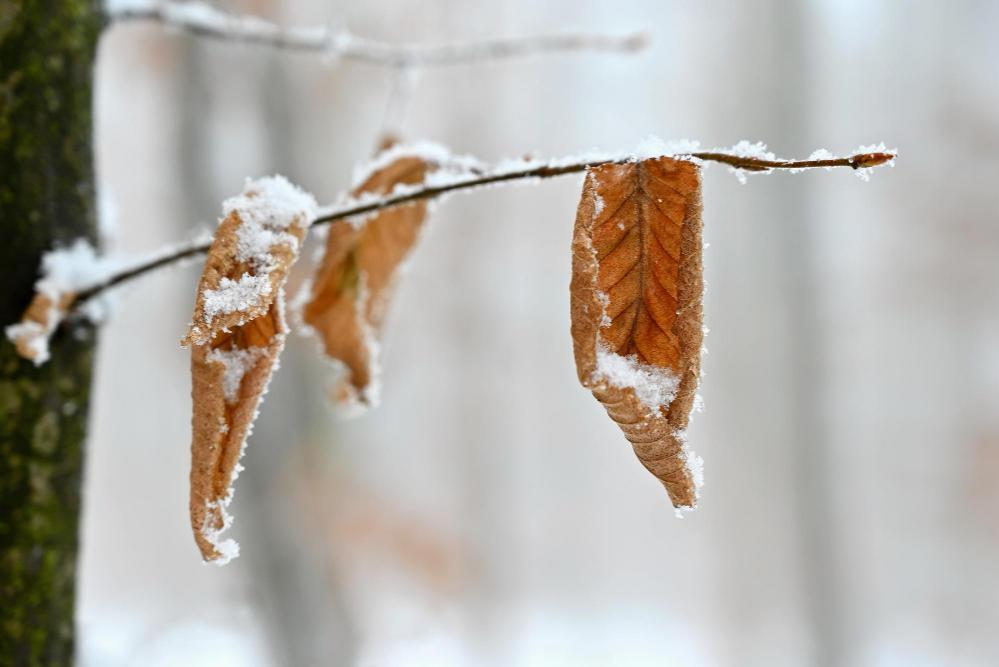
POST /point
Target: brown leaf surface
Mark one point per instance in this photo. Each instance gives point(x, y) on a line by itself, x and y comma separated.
point(222, 266)
point(229, 377)
point(236, 335)
point(350, 293)
point(636, 308)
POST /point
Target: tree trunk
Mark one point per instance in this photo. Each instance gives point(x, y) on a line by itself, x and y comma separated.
point(47, 51)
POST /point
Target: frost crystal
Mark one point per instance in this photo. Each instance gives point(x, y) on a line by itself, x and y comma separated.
point(65, 273)
point(271, 202)
point(70, 269)
point(756, 149)
point(236, 362)
point(228, 548)
point(428, 151)
point(254, 242)
point(653, 147)
point(864, 173)
point(35, 337)
point(598, 204)
point(233, 295)
point(654, 387)
point(266, 222)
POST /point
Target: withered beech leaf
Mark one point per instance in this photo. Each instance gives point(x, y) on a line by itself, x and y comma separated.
point(64, 273)
point(346, 302)
point(636, 308)
point(229, 376)
point(255, 245)
point(31, 335)
point(236, 335)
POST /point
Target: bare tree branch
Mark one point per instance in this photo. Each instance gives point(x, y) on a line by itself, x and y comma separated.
point(200, 19)
point(401, 196)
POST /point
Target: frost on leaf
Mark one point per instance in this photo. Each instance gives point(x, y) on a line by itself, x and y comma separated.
point(31, 335)
point(65, 272)
point(636, 308)
point(255, 245)
point(236, 335)
point(346, 302)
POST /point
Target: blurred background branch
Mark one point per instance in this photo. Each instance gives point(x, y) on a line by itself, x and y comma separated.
point(204, 20)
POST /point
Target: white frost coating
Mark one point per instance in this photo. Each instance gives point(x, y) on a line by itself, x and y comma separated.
point(228, 548)
point(458, 171)
point(70, 269)
point(428, 151)
point(267, 208)
point(77, 269)
point(653, 147)
point(864, 173)
point(272, 202)
point(754, 149)
point(64, 271)
point(654, 387)
point(35, 335)
point(448, 169)
point(202, 16)
point(462, 171)
point(253, 242)
point(598, 204)
point(695, 466)
point(233, 295)
point(351, 404)
point(236, 363)
point(605, 320)
point(757, 150)
point(371, 394)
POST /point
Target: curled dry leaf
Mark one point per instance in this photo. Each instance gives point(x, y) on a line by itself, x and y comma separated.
point(31, 335)
point(64, 272)
point(636, 308)
point(236, 335)
point(255, 245)
point(346, 302)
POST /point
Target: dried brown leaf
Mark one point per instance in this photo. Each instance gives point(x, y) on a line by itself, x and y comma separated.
point(251, 253)
point(348, 298)
point(229, 377)
point(42, 316)
point(636, 308)
point(237, 333)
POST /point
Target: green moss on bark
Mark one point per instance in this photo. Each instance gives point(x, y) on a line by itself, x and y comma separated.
point(47, 51)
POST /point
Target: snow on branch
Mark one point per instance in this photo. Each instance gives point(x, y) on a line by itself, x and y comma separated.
point(467, 175)
point(80, 276)
point(204, 20)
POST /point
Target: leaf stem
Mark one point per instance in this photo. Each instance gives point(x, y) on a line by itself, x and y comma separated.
point(428, 192)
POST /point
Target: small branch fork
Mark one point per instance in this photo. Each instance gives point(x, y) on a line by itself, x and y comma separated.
point(206, 21)
point(428, 192)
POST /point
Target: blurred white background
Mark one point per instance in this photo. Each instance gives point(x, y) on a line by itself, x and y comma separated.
point(488, 513)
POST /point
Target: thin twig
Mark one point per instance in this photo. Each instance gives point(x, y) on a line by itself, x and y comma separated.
point(206, 21)
point(352, 210)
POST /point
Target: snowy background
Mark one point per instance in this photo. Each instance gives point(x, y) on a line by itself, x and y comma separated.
point(488, 513)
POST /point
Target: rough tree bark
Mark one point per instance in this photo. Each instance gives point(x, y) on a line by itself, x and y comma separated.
point(47, 51)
